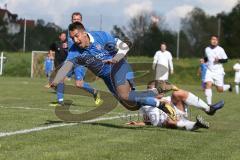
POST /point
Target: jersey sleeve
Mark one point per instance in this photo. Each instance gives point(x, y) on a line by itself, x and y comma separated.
point(206, 52)
point(109, 38)
point(109, 43)
point(170, 62)
point(72, 52)
point(155, 58)
point(223, 54)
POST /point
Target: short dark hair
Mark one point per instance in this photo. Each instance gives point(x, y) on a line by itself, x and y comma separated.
point(76, 25)
point(151, 84)
point(163, 43)
point(76, 14)
point(214, 35)
point(62, 33)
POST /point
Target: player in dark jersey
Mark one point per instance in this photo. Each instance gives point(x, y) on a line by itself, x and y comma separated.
point(61, 52)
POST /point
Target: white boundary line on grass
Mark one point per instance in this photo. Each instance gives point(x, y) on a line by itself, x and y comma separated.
point(45, 109)
point(26, 108)
point(25, 131)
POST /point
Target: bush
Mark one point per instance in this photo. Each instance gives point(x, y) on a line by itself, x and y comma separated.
point(18, 64)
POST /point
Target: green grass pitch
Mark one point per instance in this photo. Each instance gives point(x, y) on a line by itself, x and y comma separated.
point(24, 105)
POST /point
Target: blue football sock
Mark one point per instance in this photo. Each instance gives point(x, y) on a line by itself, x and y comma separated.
point(60, 92)
point(143, 98)
point(88, 88)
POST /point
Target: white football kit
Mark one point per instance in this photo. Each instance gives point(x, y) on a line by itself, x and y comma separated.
point(236, 67)
point(157, 117)
point(162, 61)
point(215, 71)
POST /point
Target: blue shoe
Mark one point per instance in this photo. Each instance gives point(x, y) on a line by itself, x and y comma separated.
point(215, 107)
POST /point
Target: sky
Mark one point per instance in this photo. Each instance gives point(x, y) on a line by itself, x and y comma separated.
point(113, 12)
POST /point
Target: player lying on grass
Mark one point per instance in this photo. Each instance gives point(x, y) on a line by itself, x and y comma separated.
point(104, 56)
point(180, 100)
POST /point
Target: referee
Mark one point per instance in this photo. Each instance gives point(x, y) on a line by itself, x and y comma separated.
point(61, 49)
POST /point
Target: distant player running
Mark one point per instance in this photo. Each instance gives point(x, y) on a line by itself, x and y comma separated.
point(215, 57)
point(104, 56)
point(180, 100)
point(236, 68)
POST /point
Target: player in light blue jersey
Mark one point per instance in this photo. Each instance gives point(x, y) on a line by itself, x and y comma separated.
point(48, 65)
point(78, 71)
point(104, 56)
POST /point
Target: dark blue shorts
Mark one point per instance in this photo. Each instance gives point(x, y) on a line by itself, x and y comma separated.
point(119, 75)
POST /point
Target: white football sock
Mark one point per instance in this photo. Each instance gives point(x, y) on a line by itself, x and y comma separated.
point(237, 88)
point(226, 87)
point(60, 100)
point(195, 101)
point(208, 93)
point(186, 124)
point(157, 102)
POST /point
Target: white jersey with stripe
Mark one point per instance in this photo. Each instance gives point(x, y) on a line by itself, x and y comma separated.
point(212, 54)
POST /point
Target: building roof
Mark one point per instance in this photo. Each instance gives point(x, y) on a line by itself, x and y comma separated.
point(4, 11)
point(29, 23)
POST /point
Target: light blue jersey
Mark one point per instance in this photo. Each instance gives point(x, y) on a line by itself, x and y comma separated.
point(103, 47)
point(48, 64)
point(71, 54)
point(79, 71)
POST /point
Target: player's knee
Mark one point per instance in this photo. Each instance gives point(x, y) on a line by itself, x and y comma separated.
point(123, 96)
point(220, 89)
point(208, 85)
point(79, 84)
point(180, 94)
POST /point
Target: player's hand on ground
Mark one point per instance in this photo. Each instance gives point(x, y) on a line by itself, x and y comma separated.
point(133, 123)
point(49, 85)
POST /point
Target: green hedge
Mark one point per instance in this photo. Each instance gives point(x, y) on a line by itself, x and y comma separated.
point(19, 64)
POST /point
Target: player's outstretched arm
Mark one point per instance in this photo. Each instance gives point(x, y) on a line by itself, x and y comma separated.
point(61, 74)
